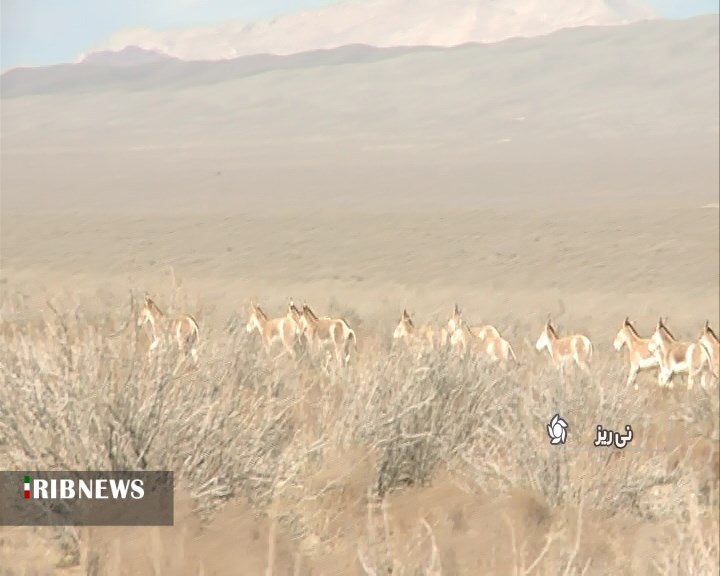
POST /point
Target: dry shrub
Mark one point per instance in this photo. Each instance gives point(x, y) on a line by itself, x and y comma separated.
point(347, 468)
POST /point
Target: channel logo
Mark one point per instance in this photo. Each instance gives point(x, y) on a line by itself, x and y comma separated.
point(91, 498)
point(70, 488)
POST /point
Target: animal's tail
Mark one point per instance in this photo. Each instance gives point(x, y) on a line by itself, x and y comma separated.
point(512, 353)
point(708, 358)
point(194, 337)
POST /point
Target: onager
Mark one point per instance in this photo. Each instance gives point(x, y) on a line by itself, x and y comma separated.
point(283, 329)
point(322, 332)
point(676, 357)
point(576, 349)
point(455, 323)
point(709, 341)
point(182, 327)
point(639, 355)
point(420, 339)
point(295, 316)
point(495, 348)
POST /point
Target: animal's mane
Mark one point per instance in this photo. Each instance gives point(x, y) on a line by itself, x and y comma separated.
point(465, 326)
point(150, 303)
point(632, 328)
point(666, 330)
point(260, 311)
point(310, 312)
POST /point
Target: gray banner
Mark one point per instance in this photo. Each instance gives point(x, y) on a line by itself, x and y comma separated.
point(95, 498)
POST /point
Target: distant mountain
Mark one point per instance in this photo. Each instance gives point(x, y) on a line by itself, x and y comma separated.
point(648, 82)
point(384, 23)
point(147, 70)
point(659, 44)
point(128, 56)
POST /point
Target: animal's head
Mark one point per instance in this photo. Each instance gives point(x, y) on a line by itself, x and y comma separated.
point(254, 319)
point(146, 313)
point(456, 338)
point(659, 337)
point(622, 335)
point(404, 327)
point(544, 338)
point(455, 320)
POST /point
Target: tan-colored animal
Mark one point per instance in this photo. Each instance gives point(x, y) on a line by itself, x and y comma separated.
point(676, 357)
point(295, 317)
point(493, 348)
point(576, 349)
point(456, 321)
point(180, 328)
point(419, 339)
point(324, 332)
point(639, 355)
point(709, 341)
point(283, 329)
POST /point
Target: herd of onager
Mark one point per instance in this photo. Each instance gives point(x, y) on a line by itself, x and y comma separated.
point(661, 351)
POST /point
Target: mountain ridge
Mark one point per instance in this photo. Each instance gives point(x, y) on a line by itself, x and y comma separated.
point(382, 23)
point(153, 71)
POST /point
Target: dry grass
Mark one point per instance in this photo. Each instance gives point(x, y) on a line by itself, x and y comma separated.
point(395, 465)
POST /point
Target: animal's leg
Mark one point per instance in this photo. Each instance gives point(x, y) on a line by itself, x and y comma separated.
point(585, 367)
point(290, 349)
point(632, 376)
point(152, 348)
point(703, 379)
point(667, 379)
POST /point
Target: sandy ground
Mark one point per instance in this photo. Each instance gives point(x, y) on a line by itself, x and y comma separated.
point(511, 242)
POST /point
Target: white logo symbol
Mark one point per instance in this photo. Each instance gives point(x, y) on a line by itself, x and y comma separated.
point(557, 430)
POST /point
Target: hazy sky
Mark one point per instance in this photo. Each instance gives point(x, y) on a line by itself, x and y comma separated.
point(36, 32)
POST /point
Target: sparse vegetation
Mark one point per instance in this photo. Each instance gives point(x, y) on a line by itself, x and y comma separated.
point(394, 465)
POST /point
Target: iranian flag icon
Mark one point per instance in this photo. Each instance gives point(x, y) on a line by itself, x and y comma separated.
point(27, 486)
